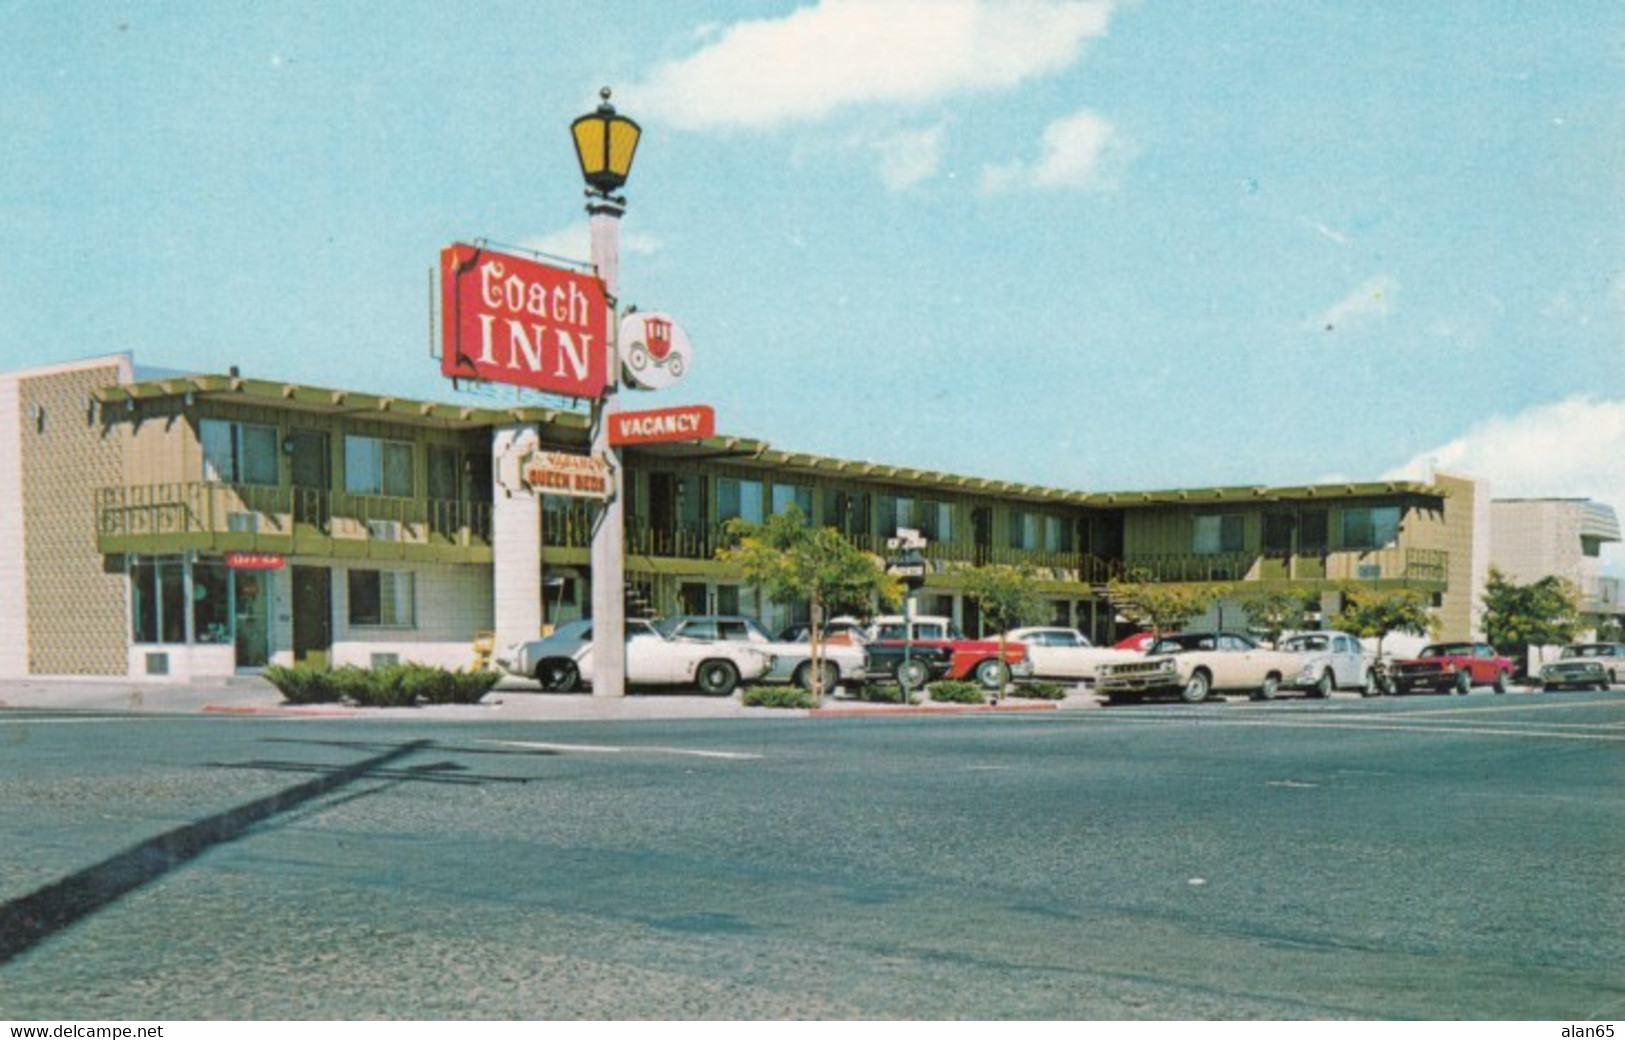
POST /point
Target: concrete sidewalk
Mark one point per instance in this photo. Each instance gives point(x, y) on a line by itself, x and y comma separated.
point(511, 700)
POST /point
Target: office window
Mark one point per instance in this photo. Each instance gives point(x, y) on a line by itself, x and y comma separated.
point(739, 500)
point(1219, 534)
point(238, 453)
point(382, 598)
point(1374, 528)
point(377, 467)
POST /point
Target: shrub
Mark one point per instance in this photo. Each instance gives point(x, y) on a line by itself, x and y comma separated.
point(397, 686)
point(1041, 691)
point(777, 697)
point(955, 692)
point(302, 684)
point(883, 693)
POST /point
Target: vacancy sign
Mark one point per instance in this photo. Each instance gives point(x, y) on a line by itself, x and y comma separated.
point(687, 423)
point(509, 320)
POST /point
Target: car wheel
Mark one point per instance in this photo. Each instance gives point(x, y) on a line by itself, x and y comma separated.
point(912, 674)
point(1464, 683)
point(1324, 685)
point(1500, 682)
point(804, 677)
point(992, 674)
point(558, 676)
point(1196, 690)
point(1270, 689)
point(1369, 687)
point(718, 678)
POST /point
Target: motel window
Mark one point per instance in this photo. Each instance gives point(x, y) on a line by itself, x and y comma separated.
point(847, 512)
point(739, 500)
point(382, 598)
point(786, 495)
point(1219, 534)
point(1024, 528)
point(238, 453)
point(896, 512)
point(1374, 528)
point(158, 599)
point(377, 467)
point(211, 601)
point(936, 521)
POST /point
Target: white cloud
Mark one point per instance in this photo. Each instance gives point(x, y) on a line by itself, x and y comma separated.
point(843, 53)
point(1569, 449)
point(1082, 150)
point(1374, 298)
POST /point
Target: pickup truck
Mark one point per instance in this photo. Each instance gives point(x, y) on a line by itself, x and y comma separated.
point(949, 653)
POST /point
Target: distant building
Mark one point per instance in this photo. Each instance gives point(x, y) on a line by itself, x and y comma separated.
point(1533, 538)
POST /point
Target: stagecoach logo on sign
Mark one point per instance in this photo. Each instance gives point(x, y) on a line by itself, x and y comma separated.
point(655, 351)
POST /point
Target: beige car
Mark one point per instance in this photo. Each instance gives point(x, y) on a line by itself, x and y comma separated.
point(1196, 665)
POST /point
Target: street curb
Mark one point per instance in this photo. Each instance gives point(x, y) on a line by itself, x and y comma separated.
point(237, 709)
point(921, 709)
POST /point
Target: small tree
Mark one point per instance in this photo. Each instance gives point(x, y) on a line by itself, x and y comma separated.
point(1517, 617)
point(1374, 614)
point(794, 562)
point(1162, 607)
point(1008, 597)
point(1273, 611)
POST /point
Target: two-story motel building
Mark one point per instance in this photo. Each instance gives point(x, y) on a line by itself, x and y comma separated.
point(204, 525)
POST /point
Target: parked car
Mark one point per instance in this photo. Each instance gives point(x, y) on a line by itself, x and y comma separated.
point(1139, 642)
point(974, 660)
point(1065, 653)
point(843, 663)
point(1443, 667)
point(1196, 665)
point(836, 630)
point(562, 662)
point(1330, 661)
point(1585, 664)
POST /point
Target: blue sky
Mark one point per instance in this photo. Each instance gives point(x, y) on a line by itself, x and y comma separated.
point(1097, 245)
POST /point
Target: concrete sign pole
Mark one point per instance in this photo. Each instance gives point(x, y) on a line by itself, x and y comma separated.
point(609, 537)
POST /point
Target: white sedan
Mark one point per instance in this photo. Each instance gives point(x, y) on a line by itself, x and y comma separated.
point(844, 663)
point(563, 661)
point(1066, 653)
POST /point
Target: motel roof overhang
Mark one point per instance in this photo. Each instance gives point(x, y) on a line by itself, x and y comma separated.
point(739, 450)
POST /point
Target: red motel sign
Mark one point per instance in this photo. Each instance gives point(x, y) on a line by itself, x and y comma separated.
point(253, 561)
point(686, 423)
point(509, 320)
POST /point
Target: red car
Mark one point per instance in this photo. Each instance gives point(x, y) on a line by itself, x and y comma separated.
point(1443, 667)
point(973, 660)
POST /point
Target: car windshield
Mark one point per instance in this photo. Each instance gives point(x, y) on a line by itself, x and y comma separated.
point(1447, 650)
point(1307, 643)
point(1584, 651)
point(1178, 644)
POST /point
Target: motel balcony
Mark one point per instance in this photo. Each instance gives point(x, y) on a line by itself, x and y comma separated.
point(201, 516)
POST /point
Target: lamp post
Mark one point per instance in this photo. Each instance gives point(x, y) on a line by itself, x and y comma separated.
point(605, 142)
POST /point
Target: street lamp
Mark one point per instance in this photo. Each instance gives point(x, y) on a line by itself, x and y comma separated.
point(605, 142)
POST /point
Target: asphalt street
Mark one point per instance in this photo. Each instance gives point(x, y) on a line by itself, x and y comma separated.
point(1426, 857)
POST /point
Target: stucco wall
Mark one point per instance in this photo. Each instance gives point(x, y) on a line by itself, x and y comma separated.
point(77, 615)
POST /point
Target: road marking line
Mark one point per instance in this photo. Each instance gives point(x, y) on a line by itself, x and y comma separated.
point(1447, 730)
point(607, 749)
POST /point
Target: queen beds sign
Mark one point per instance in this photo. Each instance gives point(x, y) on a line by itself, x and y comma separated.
point(559, 473)
point(505, 319)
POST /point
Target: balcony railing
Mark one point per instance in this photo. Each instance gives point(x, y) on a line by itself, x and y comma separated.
point(1420, 566)
point(207, 515)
